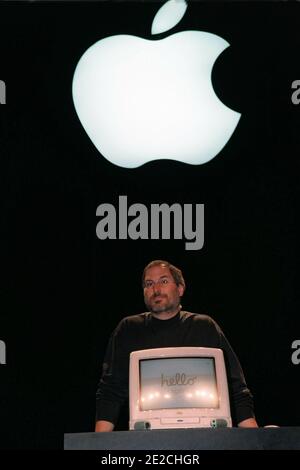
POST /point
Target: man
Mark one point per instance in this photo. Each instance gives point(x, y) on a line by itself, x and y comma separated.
point(165, 325)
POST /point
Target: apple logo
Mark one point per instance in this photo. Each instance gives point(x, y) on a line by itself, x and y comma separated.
point(141, 100)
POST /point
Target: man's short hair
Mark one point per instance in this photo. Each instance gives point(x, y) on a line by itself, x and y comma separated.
point(176, 272)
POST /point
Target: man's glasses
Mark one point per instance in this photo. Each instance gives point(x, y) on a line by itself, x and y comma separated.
point(161, 282)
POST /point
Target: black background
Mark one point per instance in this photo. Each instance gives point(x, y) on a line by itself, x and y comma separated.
point(63, 290)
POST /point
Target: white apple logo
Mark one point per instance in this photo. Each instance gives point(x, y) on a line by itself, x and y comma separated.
point(142, 100)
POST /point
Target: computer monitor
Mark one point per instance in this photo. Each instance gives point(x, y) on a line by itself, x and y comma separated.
point(184, 387)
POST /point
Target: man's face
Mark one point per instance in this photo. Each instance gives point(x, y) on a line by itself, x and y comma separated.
point(161, 294)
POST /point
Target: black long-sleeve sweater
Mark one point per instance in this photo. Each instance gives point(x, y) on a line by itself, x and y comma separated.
point(144, 331)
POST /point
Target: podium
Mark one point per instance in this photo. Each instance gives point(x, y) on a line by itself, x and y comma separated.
point(285, 438)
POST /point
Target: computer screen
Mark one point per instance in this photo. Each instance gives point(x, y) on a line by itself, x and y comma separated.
point(178, 387)
point(163, 385)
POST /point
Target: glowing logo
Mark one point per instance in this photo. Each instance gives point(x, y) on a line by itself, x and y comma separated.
point(142, 100)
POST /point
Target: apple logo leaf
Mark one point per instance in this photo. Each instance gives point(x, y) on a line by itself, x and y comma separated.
point(168, 16)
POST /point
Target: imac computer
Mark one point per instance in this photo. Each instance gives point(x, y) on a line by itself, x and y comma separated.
point(184, 387)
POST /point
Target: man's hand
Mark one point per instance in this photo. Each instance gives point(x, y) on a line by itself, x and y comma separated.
point(104, 426)
point(248, 423)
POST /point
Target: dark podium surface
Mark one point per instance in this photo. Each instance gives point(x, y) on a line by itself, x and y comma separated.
point(286, 438)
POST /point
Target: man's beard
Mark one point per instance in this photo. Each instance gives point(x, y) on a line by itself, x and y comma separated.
point(160, 308)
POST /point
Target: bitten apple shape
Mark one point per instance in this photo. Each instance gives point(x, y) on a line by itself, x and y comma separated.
point(141, 100)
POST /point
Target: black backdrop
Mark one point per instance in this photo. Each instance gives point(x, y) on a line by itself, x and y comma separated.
point(63, 290)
